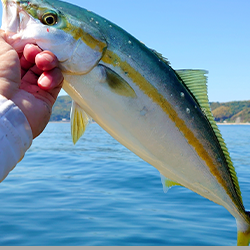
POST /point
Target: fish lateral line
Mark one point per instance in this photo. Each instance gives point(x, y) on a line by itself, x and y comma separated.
point(95, 38)
point(113, 59)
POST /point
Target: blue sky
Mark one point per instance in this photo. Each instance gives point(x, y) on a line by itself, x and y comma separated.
point(192, 34)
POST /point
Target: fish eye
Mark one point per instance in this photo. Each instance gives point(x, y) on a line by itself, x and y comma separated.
point(49, 19)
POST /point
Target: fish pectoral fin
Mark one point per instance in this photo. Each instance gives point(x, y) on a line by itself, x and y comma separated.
point(167, 183)
point(79, 121)
point(117, 84)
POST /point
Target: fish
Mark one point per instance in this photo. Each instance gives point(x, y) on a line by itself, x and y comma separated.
point(161, 114)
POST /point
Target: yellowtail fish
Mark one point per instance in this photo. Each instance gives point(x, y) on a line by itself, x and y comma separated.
point(160, 114)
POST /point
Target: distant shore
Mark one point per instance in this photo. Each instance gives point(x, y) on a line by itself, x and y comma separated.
point(228, 123)
point(59, 121)
point(218, 123)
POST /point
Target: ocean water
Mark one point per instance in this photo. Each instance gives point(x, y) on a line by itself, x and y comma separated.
point(99, 193)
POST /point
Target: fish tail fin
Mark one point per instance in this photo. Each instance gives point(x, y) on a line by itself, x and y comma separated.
point(243, 232)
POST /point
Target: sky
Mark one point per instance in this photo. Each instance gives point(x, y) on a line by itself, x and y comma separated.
point(193, 34)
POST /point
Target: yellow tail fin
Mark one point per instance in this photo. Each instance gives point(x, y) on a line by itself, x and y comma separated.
point(243, 238)
point(243, 234)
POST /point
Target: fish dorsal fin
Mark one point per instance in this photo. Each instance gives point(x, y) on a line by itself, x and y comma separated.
point(79, 121)
point(196, 82)
point(160, 56)
point(167, 183)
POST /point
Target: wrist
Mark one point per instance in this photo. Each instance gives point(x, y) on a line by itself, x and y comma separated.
point(15, 134)
point(15, 121)
point(34, 109)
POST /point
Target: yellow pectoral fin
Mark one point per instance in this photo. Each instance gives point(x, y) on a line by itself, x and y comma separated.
point(79, 121)
point(117, 84)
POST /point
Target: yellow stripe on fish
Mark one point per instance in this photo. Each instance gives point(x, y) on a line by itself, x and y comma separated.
point(78, 33)
point(112, 76)
point(112, 58)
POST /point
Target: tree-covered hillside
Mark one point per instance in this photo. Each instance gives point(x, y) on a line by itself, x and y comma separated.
point(61, 109)
point(232, 112)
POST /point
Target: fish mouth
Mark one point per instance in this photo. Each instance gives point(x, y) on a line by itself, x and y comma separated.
point(14, 21)
point(11, 17)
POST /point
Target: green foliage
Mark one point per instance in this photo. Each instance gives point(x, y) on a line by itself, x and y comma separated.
point(61, 109)
point(233, 112)
point(221, 113)
point(238, 111)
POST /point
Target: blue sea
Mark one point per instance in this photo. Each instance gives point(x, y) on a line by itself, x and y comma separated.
point(99, 193)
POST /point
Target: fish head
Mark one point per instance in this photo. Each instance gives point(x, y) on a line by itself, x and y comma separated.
point(51, 25)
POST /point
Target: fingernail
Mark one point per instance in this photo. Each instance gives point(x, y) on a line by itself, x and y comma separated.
point(47, 57)
point(44, 81)
point(29, 45)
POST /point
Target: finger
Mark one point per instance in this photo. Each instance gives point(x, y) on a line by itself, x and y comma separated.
point(51, 81)
point(46, 61)
point(27, 59)
point(2, 35)
point(32, 75)
point(30, 51)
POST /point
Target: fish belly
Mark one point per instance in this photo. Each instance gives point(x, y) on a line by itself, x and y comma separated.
point(144, 128)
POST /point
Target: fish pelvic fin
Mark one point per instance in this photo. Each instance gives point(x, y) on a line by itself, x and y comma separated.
point(243, 238)
point(79, 121)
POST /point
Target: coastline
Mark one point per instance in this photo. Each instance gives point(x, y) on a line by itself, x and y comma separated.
point(228, 123)
point(218, 123)
point(59, 121)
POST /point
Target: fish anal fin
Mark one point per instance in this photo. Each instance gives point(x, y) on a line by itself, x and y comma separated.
point(167, 183)
point(79, 121)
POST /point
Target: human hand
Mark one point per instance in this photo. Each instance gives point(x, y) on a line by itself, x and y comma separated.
point(31, 80)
